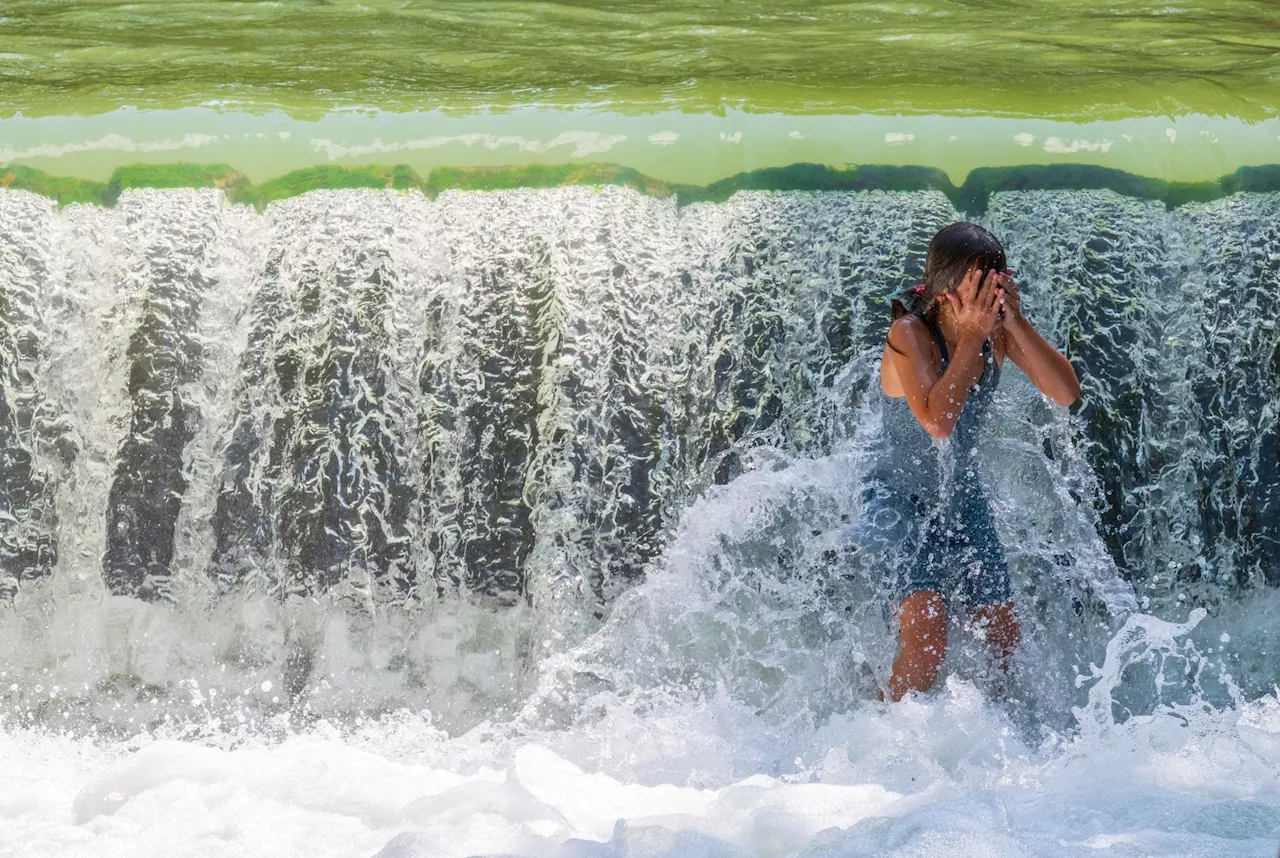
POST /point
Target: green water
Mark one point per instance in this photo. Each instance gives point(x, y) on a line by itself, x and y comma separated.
point(1076, 61)
point(672, 146)
point(680, 94)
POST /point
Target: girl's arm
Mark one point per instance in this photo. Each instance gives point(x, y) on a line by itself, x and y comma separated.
point(1044, 365)
point(888, 375)
point(937, 401)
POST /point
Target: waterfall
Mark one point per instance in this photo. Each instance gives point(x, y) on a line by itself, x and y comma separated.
point(1171, 318)
point(472, 425)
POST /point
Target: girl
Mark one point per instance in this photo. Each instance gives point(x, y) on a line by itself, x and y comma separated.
point(943, 356)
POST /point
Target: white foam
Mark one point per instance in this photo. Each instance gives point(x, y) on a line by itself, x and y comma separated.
point(940, 775)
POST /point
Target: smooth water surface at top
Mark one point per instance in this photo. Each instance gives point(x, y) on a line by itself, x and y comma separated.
point(1080, 61)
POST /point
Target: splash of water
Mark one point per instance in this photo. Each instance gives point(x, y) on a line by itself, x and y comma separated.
point(578, 473)
point(389, 403)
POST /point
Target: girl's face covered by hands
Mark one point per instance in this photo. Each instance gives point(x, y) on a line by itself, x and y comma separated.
point(976, 301)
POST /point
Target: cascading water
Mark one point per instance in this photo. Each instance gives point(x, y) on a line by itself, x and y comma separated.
point(1173, 317)
point(501, 481)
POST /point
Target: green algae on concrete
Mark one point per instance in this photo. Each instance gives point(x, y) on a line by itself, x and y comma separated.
point(62, 189)
point(1257, 179)
point(65, 190)
point(980, 184)
point(543, 176)
point(972, 197)
point(180, 175)
point(330, 177)
point(818, 177)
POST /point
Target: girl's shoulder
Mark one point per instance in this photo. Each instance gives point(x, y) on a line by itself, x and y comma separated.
point(909, 333)
point(906, 322)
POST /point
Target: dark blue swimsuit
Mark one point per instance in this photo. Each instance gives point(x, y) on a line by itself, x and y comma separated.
point(930, 498)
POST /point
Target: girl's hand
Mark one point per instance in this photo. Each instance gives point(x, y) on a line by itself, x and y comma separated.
point(976, 302)
point(1011, 311)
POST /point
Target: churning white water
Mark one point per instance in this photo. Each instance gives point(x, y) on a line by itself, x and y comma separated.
point(530, 523)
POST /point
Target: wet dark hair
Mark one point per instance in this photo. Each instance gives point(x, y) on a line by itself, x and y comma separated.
point(952, 252)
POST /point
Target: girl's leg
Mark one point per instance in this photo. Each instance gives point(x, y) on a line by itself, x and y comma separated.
point(986, 584)
point(1000, 629)
point(922, 620)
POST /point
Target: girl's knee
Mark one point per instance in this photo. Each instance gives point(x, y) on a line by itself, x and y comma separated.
point(1000, 627)
point(922, 620)
point(922, 606)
